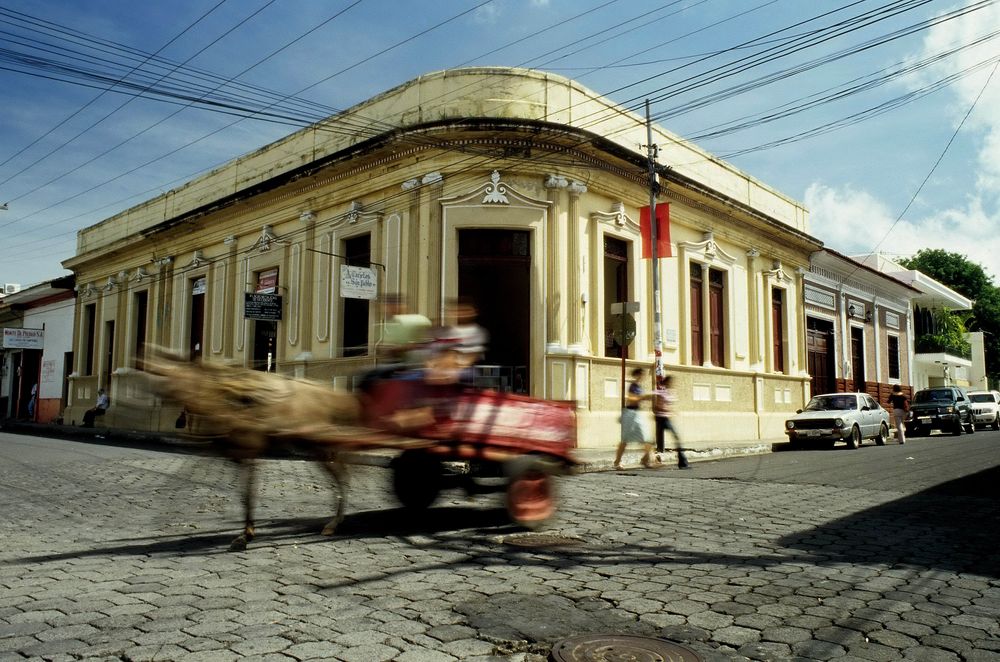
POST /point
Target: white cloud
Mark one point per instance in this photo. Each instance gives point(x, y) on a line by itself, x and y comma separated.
point(984, 119)
point(854, 222)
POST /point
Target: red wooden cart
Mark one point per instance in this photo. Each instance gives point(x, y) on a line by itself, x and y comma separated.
point(471, 438)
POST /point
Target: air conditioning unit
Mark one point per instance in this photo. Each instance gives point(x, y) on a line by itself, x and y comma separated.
point(10, 288)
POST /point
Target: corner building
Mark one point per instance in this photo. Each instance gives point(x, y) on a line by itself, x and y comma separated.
point(517, 188)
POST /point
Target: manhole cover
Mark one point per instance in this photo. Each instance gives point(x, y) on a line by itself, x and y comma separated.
point(541, 540)
point(614, 647)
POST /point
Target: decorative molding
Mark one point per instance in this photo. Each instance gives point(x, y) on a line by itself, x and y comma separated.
point(197, 260)
point(85, 290)
point(111, 284)
point(617, 216)
point(577, 188)
point(410, 184)
point(777, 273)
point(556, 181)
point(138, 275)
point(432, 178)
point(752, 253)
point(356, 213)
point(496, 193)
point(308, 216)
point(707, 250)
point(266, 239)
point(230, 239)
point(819, 297)
point(891, 319)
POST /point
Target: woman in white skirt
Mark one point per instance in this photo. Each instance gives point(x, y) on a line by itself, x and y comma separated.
point(631, 425)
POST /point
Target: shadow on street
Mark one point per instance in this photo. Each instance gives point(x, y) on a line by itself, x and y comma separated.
point(953, 526)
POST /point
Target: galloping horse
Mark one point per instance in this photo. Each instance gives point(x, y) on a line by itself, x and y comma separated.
point(250, 412)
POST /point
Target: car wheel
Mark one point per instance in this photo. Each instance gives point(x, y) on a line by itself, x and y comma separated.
point(996, 422)
point(956, 429)
point(883, 435)
point(854, 441)
point(971, 427)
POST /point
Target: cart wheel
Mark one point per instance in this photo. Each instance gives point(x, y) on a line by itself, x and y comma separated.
point(531, 491)
point(416, 479)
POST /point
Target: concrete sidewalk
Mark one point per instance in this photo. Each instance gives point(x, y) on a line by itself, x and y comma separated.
point(590, 459)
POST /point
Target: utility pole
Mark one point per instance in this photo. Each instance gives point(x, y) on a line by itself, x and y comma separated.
point(653, 190)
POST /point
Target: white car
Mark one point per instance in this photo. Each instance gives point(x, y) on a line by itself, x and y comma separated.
point(985, 408)
point(833, 417)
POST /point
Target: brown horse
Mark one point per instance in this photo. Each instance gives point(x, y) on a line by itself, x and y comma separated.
point(248, 413)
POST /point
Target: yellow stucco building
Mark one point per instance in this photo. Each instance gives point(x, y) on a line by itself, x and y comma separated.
point(519, 189)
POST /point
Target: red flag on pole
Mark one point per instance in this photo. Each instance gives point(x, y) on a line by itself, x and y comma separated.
point(662, 231)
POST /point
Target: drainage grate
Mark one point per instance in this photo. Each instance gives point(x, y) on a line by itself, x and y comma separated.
point(607, 647)
point(541, 540)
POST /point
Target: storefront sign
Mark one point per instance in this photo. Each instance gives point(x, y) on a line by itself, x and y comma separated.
point(267, 282)
point(24, 339)
point(358, 282)
point(262, 307)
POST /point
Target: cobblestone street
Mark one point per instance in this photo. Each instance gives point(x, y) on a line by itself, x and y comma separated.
point(125, 558)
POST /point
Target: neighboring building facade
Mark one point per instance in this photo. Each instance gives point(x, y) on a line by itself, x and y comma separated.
point(858, 327)
point(934, 363)
point(36, 350)
point(518, 189)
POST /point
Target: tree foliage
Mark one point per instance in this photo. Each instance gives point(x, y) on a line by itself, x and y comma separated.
point(970, 280)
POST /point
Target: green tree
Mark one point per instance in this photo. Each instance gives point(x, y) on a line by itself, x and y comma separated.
point(970, 280)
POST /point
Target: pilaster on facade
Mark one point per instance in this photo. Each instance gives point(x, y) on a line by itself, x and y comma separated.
point(556, 282)
point(575, 308)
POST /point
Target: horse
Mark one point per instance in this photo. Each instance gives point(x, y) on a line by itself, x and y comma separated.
point(251, 413)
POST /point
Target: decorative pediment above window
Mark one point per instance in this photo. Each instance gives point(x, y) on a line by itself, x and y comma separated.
point(85, 290)
point(111, 284)
point(707, 250)
point(777, 273)
point(356, 213)
point(617, 216)
point(138, 275)
point(266, 240)
point(496, 192)
point(197, 260)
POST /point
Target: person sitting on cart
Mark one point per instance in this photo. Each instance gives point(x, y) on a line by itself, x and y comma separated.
point(457, 345)
point(402, 344)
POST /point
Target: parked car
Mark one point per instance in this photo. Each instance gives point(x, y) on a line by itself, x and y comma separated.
point(945, 408)
point(985, 408)
point(833, 417)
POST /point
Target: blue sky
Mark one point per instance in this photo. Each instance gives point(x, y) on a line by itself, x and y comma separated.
point(71, 155)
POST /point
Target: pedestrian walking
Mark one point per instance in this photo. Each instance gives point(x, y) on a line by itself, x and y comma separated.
point(631, 424)
point(900, 405)
point(663, 406)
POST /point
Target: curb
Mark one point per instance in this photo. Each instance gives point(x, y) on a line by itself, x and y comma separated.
point(590, 460)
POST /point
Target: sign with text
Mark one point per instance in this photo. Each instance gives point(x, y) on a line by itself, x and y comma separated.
point(24, 339)
point(358, 282)
point(267, 282)
point(265, 307)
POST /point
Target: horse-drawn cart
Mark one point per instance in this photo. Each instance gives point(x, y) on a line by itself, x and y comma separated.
point(499, 441)
point(478, 440)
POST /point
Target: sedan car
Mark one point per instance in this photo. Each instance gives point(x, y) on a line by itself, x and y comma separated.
point(833, 417)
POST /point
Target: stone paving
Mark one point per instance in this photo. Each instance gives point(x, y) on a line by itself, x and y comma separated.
point(127, 560)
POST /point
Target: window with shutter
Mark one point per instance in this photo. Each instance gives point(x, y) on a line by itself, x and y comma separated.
point(697, 315)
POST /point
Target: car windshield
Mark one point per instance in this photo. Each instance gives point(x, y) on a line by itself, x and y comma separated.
point(831, 402)
point(933, 396)
point(981, 397)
